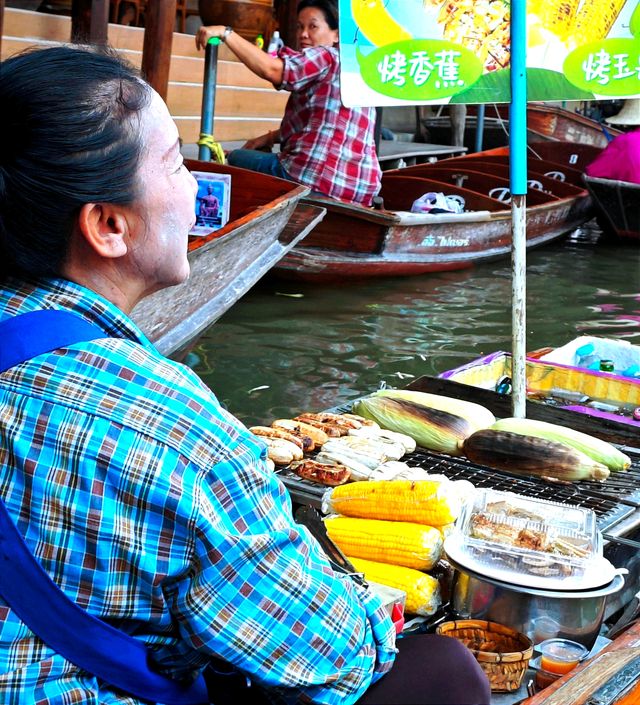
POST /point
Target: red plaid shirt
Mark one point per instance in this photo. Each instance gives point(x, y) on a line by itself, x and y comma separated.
point(323, 144)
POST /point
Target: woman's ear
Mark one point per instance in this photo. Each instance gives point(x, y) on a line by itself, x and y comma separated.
point(104, 227)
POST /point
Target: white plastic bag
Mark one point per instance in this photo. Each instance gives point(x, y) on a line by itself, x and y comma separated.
point(438, 203)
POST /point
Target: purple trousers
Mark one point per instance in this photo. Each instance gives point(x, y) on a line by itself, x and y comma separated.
point(431, 670)
point(428, 670)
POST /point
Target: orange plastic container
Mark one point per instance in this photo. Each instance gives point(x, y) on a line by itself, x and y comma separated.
point(560, 655)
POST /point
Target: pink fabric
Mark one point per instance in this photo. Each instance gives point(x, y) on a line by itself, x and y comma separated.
point(620, 160)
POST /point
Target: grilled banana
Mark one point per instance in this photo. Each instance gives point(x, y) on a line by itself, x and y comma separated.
point(367, 452)
point(270, 432)
point(331, 429)
point(282, 452)
point(317, 435)
point(384, 435)
point(359, 471)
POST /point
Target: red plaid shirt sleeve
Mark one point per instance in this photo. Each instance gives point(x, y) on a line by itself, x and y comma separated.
point(325, 145)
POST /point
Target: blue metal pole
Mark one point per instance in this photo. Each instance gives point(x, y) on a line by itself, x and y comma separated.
point(208, 96)
point(518, 106)
point(518, 183)
point(479, 128)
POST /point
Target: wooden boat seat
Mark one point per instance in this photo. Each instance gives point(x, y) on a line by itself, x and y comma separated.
point(536, 179)
point(493, 185)
point(556, 170)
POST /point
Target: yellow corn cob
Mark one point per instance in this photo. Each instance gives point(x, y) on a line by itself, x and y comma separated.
point(594, 20)
point(422, 590)
point(557, 16)
point(421, 501)
point(397, 542)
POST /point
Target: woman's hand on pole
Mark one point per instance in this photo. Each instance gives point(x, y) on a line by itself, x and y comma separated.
point(206, 32)
point(268, 67)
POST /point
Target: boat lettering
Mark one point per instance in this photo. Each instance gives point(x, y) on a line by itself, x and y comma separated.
point(444, 241)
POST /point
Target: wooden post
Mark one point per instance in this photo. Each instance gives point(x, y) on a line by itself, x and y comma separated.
point(287, 19)
point(89, 21)
point(156, 50)
point(1, 20)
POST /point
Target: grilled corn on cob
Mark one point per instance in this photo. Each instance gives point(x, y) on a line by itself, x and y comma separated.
point(422, 590)
point(595, 448)
point(421, 501)
point(528, 455)
point(397, 542)
point(433, 421)
point(477, 415)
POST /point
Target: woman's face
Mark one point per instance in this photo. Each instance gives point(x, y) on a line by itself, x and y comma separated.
point(313, 30)
point(165, 210)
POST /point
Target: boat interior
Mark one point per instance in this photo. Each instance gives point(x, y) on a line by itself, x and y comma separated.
point(248, 195)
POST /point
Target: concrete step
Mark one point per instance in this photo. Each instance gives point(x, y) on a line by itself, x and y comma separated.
point(245, 105)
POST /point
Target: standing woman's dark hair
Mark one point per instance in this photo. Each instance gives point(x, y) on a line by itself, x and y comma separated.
point(328, 8)
point(68, 136)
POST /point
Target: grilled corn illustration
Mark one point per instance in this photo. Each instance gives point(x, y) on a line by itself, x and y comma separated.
point(556, 16)
point(593, 21)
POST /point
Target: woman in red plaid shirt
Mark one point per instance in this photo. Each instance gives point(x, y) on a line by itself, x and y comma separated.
point(323, 144)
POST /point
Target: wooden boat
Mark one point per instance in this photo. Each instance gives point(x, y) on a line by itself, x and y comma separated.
point(618, 206)
point(544, 123)
point(357, 242)
point(266, 221)
point(604, 395)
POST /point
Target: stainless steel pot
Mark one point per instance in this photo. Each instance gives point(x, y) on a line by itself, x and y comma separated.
point(540, 614)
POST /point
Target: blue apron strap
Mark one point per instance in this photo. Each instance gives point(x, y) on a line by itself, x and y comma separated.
point(30, 334)
point(84, 640)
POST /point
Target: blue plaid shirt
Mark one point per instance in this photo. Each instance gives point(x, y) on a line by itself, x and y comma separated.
point(153, 508)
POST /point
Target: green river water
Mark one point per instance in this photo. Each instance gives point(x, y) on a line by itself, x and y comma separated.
point(286, 347)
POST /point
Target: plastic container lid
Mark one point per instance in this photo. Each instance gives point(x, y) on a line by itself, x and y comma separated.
point(516, 538)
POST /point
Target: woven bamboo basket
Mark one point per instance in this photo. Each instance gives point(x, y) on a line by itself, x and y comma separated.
point(502, 652)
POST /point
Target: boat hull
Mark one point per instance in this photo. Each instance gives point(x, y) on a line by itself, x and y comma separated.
point(357, 243)
point(618, 206)
point(226, 264)
point(434, 247)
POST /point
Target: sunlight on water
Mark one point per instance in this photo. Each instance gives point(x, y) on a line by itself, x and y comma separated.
point(274, 355)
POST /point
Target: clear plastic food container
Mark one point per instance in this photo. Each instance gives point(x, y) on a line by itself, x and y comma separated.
point(528, 535)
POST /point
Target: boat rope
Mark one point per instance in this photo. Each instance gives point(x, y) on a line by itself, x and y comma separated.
point(217, 153)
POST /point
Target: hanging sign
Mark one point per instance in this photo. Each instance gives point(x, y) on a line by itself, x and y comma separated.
point(399, 52)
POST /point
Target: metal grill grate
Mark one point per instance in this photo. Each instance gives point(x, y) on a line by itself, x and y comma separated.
point(611, 501)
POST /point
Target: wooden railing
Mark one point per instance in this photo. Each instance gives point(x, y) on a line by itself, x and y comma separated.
point(246, 106)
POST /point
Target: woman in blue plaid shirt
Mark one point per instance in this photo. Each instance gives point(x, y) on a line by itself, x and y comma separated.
point(146, 502)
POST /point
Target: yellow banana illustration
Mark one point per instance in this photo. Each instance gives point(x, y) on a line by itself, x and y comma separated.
point(375, 22)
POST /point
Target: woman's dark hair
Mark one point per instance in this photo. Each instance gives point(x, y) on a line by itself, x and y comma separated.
point(328, 8)
point(67, 137)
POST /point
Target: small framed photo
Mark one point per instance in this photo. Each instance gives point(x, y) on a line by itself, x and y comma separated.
point(212, 202)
